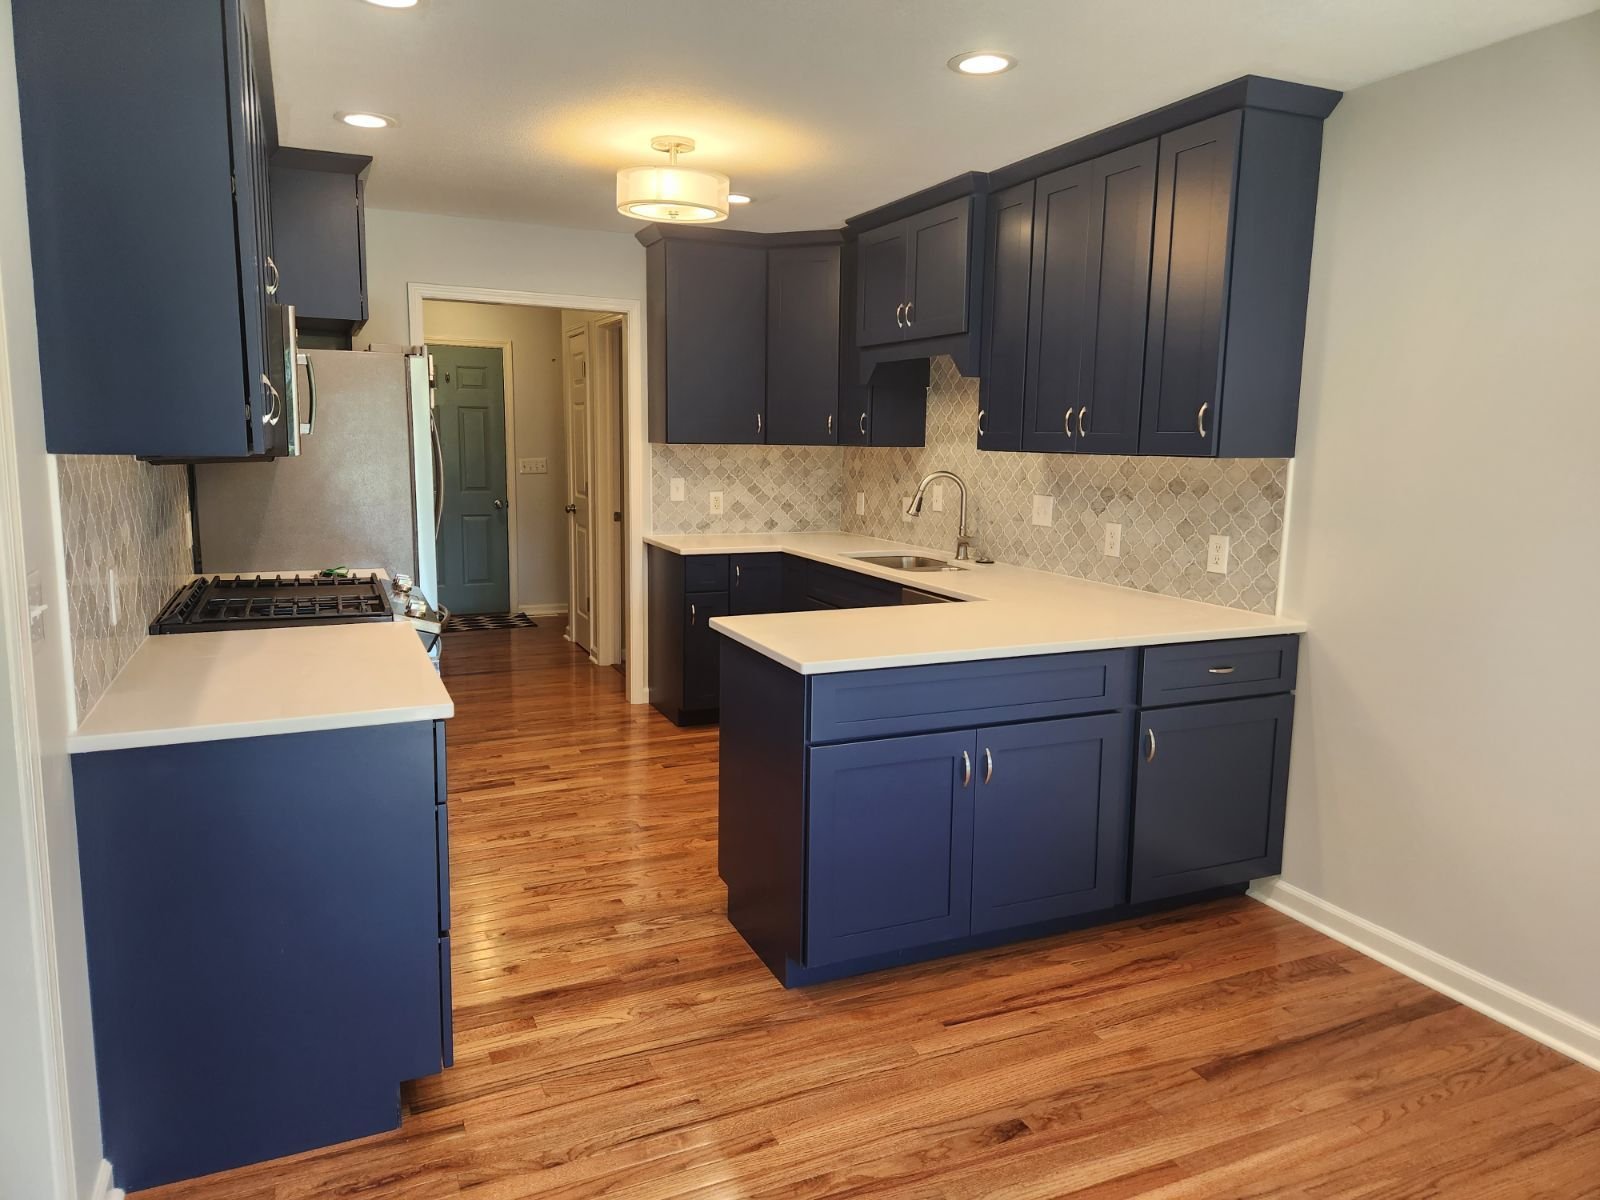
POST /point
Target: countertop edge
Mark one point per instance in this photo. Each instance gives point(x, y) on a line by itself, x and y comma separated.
point(95, 743)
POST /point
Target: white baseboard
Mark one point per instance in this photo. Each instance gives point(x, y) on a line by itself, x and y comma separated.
point(1556, 1028)
point(103, 1189)
point(542, 610)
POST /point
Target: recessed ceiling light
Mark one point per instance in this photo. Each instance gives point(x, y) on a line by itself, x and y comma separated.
point(366, 120)
point(394, 3)
point(737, 198)
point(981, 62)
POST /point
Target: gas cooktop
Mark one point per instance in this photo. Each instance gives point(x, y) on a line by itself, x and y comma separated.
point(273, 602)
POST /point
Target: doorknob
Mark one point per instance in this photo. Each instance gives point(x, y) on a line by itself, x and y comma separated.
point(499, 503)
point(571, 508)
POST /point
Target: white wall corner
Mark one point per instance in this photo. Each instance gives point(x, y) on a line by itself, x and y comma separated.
point(104, 1188)
point(1560, 1030)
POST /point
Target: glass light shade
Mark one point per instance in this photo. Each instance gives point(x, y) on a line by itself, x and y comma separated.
point(672, 194)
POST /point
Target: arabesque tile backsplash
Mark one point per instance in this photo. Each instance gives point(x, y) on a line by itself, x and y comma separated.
point(1168, 507)
point(121, 515)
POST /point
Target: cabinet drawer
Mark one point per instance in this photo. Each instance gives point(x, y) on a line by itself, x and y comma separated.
point(705, 572)
point(1218, 670)
point(847, 589)
point(868, 704)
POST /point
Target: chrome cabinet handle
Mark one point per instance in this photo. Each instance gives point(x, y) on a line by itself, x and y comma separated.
point(1200, 418)
point(1150, 745)
point(911, 309)
point(736, 575)
point(691, 614)
point(758, 422)
point(900, 314)
point(830, 422)
point(1082, 412)
point(863, 424)
point(988, 764)
point(1220, 670)
point(980, 422)
point(1066, 422)
point(272, 284)
point(966, 769)
point(275, 412)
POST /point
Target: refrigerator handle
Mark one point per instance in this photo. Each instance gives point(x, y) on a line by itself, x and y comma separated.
point(438, 475)
point(303, 359)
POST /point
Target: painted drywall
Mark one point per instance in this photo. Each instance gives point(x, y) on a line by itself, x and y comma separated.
point(535, 337)
point(407, 248)
point(1442, 538)
point(67, 1150)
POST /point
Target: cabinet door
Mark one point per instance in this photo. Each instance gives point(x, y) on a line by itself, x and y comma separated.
point(881, 285)
point(755, 583)
point(889, 862)
point(1209, 795)
point(702, 648)
point(1189, 287)
point(803, 346)
point(1122, 192)
point(1005, 342)
point(1060, 312)
point(716, 342)
point(1049, 820)
point(939, 255)
point(317, 234)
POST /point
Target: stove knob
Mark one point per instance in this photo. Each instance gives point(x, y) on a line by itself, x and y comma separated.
point(402, 583)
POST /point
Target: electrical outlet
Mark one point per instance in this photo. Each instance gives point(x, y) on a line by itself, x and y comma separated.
point(111, 594)
point(1113, 540)
point(676, 489)
point(861, 504)
point(1217, 554)
point(936, 497)
point(905, 503)
point(1044, 510)
point(533, 466)
point(715, 507)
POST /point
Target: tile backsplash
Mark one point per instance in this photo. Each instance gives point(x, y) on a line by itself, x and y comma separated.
point(764, 488)
point(1168, 507)
point(124, 516)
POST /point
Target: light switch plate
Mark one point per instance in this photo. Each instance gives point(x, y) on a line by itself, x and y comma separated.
point(715, 507)
point(533, 466)
point(861, 504)
point(1217, 554)
point(675, 489)
point(936, 497)
point(1113, 540)
point(1044, 510)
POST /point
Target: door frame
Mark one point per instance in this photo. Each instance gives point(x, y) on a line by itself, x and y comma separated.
point(634, 435)
point(512, 604)
point(593, 649)
point(610, 566)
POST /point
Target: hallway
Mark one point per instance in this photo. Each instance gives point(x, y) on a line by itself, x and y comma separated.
point(615, 1036)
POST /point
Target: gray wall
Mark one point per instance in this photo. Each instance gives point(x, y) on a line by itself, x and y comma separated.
point(1443, 538)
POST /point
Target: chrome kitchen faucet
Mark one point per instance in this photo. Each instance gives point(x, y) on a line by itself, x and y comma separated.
point(963, 535)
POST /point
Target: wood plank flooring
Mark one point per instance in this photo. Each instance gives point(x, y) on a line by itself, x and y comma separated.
point(615, 1037)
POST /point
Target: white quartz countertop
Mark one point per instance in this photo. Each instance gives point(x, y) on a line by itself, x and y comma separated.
point(199, 687)
point(1011, 611)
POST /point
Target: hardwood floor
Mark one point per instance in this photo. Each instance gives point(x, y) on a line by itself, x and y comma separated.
point(615, 1037)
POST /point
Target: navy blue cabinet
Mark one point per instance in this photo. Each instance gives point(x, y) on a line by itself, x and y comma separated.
point(274, 964)
point(1212, 780)
point(1050, 820)
point(755, 583)
point(803, 345)
point(890, 406)
point(319, 236)
point(1004, 379)
point(912, 279)
point(149, 218)
point(889, 831)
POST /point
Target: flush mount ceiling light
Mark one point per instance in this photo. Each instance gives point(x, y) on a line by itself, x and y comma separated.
point(366, 120)
point(737, 198)
point(672, 193)
point(981, 62)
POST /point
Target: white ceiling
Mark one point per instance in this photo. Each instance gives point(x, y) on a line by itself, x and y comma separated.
point(524, 109)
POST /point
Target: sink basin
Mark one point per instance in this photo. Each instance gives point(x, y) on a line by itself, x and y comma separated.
point(906, 562)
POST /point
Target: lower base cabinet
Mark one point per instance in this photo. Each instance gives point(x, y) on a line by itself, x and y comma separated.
point(267, 922)
point(1212, 781)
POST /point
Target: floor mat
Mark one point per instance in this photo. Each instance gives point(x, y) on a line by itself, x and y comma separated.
point(472, 622)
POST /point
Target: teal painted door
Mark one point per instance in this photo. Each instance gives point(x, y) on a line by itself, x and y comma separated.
point(474, 556)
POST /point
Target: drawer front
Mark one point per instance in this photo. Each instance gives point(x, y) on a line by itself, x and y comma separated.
point(846, 589)
point(1218, 670)
point(705, 572)
point(868, 704)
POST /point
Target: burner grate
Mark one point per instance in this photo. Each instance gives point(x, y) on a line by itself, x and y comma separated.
point(266, 602)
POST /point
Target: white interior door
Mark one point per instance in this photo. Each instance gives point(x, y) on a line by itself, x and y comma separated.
point(580, 476)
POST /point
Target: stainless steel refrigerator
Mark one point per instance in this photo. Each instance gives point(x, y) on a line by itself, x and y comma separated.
point(362, 492)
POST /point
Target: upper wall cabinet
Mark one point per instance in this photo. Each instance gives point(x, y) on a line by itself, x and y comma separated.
point(319, 236)
point(803, 345)
point(150, 223)
point(1161, 280)
point(918, 276)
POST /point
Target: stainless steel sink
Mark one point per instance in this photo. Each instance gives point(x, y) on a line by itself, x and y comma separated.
point(906, 562)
